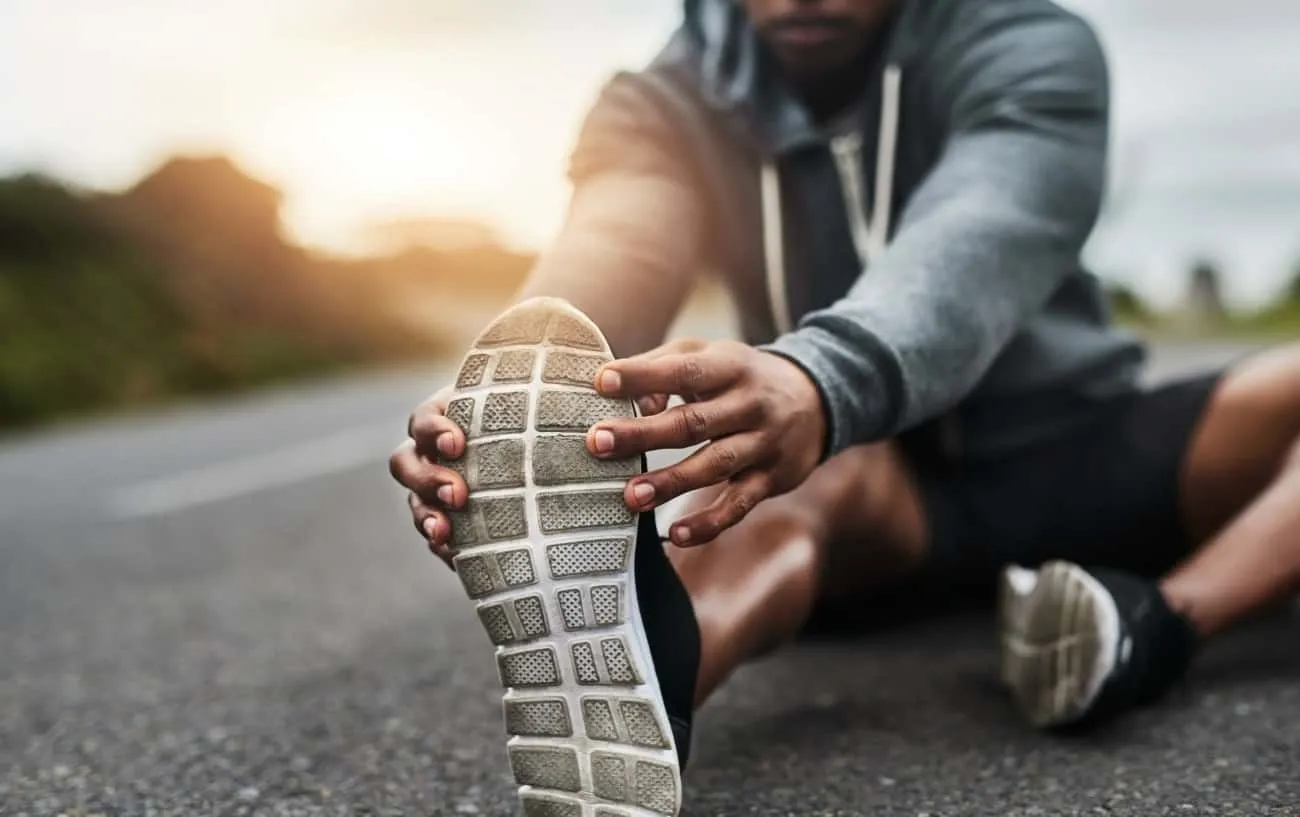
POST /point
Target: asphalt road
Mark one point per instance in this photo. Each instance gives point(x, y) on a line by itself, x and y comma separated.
point(221, 609)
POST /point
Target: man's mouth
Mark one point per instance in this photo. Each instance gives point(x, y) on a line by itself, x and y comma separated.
point(808, 32)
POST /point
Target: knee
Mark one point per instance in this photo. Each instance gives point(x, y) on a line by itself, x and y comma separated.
point(877, 499)
point(1291, 463)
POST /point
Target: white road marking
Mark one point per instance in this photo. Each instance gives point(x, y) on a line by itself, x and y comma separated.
point(301, 462)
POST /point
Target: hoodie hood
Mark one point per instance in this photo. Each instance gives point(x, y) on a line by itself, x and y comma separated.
point(735, 75)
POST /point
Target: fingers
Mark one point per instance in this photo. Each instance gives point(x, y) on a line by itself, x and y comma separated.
point(716, 462)
point(732, 505)
point(433, 488)
point(434, 526)
point(432, 482)
point(681, 427)
point(652, 404)
point(433, 432)
point(678, 372)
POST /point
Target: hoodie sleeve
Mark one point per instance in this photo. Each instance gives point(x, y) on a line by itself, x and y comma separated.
point(985, 240)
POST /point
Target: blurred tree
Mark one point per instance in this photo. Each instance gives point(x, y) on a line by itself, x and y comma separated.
point(1292, 292)
point(182, 284)
point(1127, 305)
point(1204, 300)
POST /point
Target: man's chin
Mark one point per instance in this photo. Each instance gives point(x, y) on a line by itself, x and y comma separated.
point(812, 63)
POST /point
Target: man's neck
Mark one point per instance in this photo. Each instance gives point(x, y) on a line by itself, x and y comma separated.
point(830, 97)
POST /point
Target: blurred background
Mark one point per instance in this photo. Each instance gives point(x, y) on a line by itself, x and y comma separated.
point(210, 599)
point(200, 197)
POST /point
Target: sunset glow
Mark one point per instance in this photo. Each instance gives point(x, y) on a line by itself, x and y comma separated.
point(418, 109)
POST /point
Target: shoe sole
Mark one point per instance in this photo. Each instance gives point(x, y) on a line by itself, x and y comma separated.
point(1059, 631)
point(545, 547)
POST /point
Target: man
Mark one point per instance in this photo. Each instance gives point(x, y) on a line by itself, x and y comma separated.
point(896, 194)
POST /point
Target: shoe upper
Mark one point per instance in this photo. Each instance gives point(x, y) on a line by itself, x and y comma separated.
point(1155, 647)
point(671, 630)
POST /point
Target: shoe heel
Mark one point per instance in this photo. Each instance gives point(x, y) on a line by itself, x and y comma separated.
point(1050, 660)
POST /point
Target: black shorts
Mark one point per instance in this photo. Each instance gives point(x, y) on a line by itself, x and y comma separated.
point(1104, 493)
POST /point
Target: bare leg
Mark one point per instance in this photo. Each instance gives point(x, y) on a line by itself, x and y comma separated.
point(855, 525)
point(1241, 495)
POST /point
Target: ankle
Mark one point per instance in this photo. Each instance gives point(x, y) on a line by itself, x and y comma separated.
point(1188, 603)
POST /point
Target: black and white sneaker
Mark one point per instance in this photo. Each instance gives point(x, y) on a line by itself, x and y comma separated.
point(1082, 646)
point(597, 644)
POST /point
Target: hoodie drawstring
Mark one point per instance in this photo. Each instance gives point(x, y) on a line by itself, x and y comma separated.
point(869, 238)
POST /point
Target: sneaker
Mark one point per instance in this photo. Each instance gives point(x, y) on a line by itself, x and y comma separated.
point(597, 645)
point(1082, 646)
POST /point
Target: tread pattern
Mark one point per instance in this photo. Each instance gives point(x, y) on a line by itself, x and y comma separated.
point(590, 558)
point(580, 510)
point(571, 369)
point(530, 668)
point(544, 546)
point(543, 717)
point(471, 372)
point(599, 717)
point(546, 768)
point(489, 520)
point(550, 807)
point(495, 573)
point(575, 411)
point(514, 367)
point(563, 459)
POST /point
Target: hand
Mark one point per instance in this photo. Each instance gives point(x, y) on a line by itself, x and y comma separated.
point(760, 414)
point(434, 488)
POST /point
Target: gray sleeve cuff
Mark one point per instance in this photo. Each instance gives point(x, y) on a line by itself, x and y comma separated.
point(859, 405)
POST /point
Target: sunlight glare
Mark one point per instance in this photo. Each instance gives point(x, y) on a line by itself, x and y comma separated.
point(365, 151)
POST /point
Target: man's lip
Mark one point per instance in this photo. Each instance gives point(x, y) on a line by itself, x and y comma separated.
point(807, 32)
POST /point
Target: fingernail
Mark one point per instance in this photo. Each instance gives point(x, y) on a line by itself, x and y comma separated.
point(447, 494)
point(682, 535)
point(604, 440)
point(431, 528)
point(643, 492)
point(445, 444)
point(610, 381)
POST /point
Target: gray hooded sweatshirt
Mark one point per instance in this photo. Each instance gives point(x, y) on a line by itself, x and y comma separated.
point(920, 258)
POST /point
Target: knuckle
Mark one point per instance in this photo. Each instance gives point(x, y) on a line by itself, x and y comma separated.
point(725, 458)
point(427, 482)
point(693, 424)
point(742, 502)
point(425, 425)
point(690, 372)
point(675, 482)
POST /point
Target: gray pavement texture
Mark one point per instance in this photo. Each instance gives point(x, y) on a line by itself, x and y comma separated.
point(179, 638)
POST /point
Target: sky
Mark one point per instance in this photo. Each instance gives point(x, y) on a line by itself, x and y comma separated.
point(368, 110)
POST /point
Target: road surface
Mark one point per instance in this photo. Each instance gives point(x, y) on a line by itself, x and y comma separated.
point(221, 609)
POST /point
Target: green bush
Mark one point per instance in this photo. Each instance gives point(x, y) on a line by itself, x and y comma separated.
point(105, 302)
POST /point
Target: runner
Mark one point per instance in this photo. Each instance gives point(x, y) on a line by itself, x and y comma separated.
point(930, 408)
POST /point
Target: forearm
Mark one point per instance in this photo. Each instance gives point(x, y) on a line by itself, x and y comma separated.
point(985, 243)
point(626, 267)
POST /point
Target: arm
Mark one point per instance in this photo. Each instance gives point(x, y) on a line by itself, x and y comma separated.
point(624, 256)
point(981, 247)
point(983, 243)
point(632, 238)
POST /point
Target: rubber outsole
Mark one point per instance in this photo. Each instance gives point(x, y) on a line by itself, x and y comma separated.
point(1059, 629)
point(545, 547)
